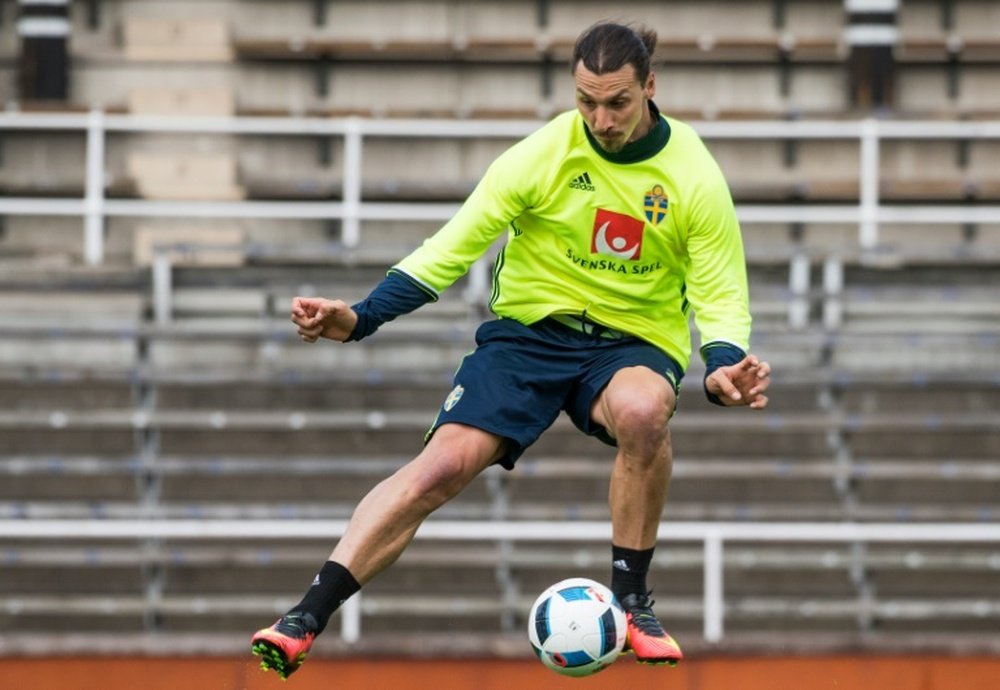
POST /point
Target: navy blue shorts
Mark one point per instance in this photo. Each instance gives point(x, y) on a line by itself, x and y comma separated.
point(519, 377)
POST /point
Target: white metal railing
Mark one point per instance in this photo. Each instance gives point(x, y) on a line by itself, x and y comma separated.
point(712, 535)
point(868, 214)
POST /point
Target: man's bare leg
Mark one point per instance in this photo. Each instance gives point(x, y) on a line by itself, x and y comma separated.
point(383, 524)
point(635, 408)
point(386, 519)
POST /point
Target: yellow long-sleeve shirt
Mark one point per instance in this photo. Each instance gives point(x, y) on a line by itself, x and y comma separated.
point(630, 240)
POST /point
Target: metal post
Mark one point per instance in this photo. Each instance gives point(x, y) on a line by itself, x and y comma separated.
point(496, 486)
point(162, 286)
point(833, 288)
point(319, 13)
point(351, 231)
point(350, 619)
point(869, 178)
point(713, 605)
point(798, 285)
point(93, 238)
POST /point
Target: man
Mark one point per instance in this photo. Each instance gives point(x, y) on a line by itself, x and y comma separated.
point(618, 221)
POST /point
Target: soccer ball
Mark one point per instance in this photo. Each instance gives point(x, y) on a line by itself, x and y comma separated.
point(577, 627)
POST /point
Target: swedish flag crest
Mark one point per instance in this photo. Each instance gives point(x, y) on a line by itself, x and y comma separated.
point(655, 204)
point(453, 398)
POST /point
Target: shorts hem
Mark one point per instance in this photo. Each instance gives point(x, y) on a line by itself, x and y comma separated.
point(515, 448)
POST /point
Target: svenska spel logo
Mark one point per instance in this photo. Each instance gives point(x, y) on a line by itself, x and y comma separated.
point(617, 235)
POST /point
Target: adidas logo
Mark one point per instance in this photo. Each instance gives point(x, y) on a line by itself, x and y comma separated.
point(583, 183)
point(621, 564)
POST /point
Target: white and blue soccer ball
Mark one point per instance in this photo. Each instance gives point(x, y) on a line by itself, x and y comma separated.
point(577, 627)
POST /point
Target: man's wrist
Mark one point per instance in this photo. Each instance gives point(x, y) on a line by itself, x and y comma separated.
point(718, 354)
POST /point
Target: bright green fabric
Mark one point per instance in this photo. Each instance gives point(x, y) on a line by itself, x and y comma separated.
point(557, 260)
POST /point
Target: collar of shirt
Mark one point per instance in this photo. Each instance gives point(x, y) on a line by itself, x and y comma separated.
point(641, 149)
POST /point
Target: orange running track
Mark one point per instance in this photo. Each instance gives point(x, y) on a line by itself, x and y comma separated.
point(707, 673)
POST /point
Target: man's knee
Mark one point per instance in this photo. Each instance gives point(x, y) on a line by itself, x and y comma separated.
point(641, 423)
point(435, 482)
point(637, 405)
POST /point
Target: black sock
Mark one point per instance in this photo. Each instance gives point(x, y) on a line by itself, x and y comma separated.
point(628, 570)
point(331, 588)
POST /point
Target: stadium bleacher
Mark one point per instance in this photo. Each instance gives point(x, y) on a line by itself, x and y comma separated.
point(128, 393)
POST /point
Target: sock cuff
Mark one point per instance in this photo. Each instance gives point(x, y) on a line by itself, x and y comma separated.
point(629, 568)
point(631, 560)
point(332, 586)
point(339, 573)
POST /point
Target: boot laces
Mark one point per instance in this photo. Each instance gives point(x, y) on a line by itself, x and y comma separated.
point(641, 609)
point(296, 625)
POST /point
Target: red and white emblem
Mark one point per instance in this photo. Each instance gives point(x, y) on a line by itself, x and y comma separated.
point(617, 235)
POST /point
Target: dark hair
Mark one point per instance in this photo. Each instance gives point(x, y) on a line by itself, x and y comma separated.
point(607, 47)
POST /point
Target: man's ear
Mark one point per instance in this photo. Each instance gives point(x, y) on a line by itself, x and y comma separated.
point(650, 88)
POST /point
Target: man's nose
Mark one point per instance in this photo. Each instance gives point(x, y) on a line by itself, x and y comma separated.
point(603, 119)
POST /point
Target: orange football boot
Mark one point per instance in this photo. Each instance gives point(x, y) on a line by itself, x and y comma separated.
point(646, 638)
point(284, 645)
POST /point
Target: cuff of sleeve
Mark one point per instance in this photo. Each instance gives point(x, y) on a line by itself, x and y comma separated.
point(715, 355)
point(396, 295)
point(362, 327)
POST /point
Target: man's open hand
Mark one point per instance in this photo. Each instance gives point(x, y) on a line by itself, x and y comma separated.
point(742, 383)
